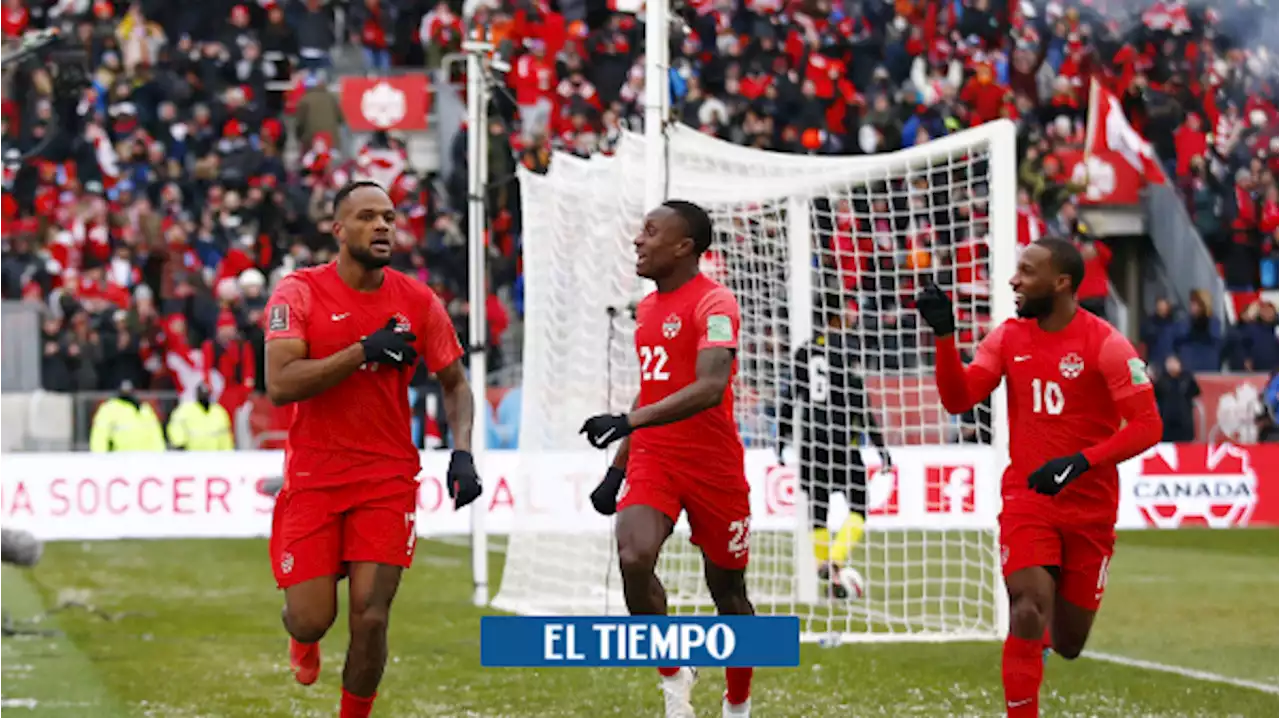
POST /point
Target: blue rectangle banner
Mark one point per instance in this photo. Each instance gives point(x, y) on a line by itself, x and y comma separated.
point(629, 641)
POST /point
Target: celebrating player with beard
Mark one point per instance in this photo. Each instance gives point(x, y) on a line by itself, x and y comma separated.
point(1080, 402)
point(343, 341)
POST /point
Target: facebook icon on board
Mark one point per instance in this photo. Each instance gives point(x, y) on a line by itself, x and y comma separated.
point(630, 641)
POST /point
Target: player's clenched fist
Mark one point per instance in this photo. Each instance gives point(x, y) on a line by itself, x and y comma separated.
point(604, 429)
point(605, 496)
point(388, 346)
point(935, 308)
point(1057, 473)
point(464, 482)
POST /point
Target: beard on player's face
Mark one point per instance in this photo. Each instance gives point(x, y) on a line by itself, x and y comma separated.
point(1036, 307)
point(366, 258)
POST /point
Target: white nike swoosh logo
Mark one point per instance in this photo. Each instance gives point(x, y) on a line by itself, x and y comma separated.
point(1015, 704)
point(340, 317)
point(396, 356)
point(607, 434)
point(1024, 357)
point(1063, 476)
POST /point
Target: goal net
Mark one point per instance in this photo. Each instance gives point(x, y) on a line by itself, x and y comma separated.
point(797, 239)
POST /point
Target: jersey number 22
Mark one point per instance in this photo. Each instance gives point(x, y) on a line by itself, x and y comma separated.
point(653, 364)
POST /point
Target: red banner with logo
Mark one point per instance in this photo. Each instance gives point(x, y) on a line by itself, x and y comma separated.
point(386, 103)
point(1231, 404)
point(1189, 485)
point(1111, 179)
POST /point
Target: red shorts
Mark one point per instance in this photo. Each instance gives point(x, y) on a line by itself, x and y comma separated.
point(1082, 553)
point(318, 531)
point(719, 508)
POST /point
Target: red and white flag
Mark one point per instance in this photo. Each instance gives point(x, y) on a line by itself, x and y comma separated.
point(1110, 131)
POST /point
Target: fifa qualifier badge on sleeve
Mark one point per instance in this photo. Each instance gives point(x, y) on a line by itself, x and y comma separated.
point(278, 320)
point(719, 328)
point(631, 641)
point(1138, 372)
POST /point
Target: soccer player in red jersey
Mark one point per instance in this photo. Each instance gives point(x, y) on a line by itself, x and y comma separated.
point(1080, 402)
point(681, 450)
point(343, 340)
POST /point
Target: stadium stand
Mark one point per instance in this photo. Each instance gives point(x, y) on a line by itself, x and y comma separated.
point(149, 215)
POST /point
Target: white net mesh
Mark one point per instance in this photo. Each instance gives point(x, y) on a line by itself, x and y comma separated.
point(798, 239)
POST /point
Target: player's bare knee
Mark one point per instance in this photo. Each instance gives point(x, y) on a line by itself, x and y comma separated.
point(308, 625)
point(370, 620)
point(1027, 615)
point(636, 561)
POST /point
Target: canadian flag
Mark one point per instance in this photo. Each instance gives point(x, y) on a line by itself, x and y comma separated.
point(1109, 131)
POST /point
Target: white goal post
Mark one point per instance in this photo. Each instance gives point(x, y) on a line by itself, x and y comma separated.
point(789, 229)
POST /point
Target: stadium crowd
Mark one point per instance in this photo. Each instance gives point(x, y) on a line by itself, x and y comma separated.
point(150, 214)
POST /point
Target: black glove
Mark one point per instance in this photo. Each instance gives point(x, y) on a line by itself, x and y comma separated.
point(604, 429)
point(464, 483)
point(1056, 474)
point(388, 346)
point(935, 308)
point(605, 496)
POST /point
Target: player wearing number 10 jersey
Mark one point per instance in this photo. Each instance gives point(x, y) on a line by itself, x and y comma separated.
point(684, 454)
point(1080, 402)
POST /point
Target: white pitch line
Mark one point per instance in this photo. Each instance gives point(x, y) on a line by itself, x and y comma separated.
point(1184, 672)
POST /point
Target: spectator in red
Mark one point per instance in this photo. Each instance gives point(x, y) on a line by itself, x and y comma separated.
point(1093, 290)
point(229, 366)
point(984, 95)
point(534, 81)
point(373, 29)
point(15, 18)
point(1189, 142)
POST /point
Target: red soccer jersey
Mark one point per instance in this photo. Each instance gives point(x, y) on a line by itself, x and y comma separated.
point(671, 329)
point(359, 429)
point(1063, 391)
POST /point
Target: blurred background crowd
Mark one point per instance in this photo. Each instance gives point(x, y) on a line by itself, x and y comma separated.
point(149, 213)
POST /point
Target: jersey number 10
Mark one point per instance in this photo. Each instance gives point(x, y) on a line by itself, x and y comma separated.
point(1046, 397)
point(653, 364)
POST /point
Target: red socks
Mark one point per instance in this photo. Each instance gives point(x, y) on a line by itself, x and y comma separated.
point(356, 706)
point(737, 683)
point(668, 671)
point(1023, 669)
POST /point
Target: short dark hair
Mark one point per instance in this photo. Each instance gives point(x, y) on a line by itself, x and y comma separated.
point(696, 220)
point(350, 187)
point(1066, 258)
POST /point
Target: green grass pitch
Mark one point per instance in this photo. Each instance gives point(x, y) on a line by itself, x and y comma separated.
point(178, 629)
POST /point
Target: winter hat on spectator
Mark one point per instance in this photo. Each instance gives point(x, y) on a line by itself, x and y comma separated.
point(251, 278)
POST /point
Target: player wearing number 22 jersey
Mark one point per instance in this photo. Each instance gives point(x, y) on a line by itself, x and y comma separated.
point(681, 451)
point(1080, 402)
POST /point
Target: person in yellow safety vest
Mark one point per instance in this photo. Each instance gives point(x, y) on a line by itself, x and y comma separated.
point(123, 423)
point(201, 425)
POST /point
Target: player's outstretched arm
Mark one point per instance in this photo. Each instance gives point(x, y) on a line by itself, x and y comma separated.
point(714, 369)
point(959, 387)
point(291, 376)
point(459, 407)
